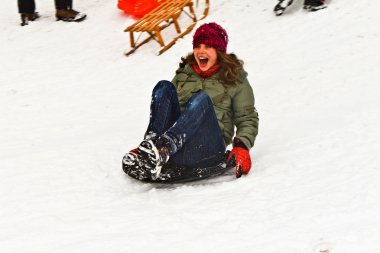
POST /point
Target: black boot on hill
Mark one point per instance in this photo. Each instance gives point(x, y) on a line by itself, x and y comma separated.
point(314, 5)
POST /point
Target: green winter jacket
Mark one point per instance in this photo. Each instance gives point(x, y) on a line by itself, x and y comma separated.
point(234, 105)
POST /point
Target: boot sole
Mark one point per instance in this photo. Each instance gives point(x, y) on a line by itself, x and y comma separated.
point(71, 19)
point(313, 8)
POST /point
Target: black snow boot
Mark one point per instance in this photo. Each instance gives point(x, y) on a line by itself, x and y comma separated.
point(145, 162)
point(153, 157)
point(314, 5)
point(281, 6)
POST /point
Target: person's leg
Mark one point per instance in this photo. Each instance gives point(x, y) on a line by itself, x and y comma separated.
point(164, 108)
point(63, 4)
point(164, 111)
point(26, 6)
point(194, 140)
point(196, 136)
point(60, 4)
point(27, 9)
point(69, 4)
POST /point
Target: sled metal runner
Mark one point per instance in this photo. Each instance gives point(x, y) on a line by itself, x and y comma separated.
point(165, 15)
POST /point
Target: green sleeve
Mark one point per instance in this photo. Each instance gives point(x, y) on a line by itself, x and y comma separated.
point(246, 118)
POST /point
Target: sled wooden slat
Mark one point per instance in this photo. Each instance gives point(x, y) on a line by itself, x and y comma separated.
point(165, 15)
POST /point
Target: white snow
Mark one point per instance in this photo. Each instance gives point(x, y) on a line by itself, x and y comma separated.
point(72, 104)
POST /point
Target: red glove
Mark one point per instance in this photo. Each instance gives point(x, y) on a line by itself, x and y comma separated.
point(240, 158)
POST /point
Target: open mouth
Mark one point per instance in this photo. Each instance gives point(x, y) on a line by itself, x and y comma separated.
point(203, 60)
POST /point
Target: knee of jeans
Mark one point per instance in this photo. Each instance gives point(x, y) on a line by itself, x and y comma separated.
point(164, 86)
point(198, 99)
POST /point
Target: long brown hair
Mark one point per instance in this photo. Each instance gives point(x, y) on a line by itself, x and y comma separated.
point(230, 66)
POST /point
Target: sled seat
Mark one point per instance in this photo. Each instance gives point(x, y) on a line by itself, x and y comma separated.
point(163, 16)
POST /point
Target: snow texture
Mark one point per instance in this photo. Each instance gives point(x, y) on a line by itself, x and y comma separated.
point(72, 104)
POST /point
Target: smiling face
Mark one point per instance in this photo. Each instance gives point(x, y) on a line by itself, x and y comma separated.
point(205, 56)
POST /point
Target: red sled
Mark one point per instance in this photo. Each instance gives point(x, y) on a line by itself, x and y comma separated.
point(138, 8)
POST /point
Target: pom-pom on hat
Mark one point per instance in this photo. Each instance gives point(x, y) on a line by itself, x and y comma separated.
point(211, 34)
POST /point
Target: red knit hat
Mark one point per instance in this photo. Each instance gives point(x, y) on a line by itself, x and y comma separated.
point(211, 34)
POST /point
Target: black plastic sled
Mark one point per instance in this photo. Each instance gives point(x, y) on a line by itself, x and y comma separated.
point(171, 173)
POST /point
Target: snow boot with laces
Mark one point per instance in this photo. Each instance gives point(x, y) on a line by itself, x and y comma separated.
point(153, 157)
point(146, 161)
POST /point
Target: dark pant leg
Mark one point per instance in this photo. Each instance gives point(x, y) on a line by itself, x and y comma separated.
point(63, 4)
point(197, 134)
point(164, 108)
point(26, 6)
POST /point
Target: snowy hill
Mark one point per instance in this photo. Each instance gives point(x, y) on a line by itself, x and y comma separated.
point(71, 105)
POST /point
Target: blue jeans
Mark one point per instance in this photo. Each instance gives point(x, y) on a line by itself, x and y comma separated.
point(195, 131)
point(29, 6)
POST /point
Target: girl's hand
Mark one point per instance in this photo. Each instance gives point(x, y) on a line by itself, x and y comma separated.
point(241, 159)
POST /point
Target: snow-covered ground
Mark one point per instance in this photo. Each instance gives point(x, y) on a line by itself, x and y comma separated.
point(71, 105)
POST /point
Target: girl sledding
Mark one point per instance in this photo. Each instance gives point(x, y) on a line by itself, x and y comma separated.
point(208, 105)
